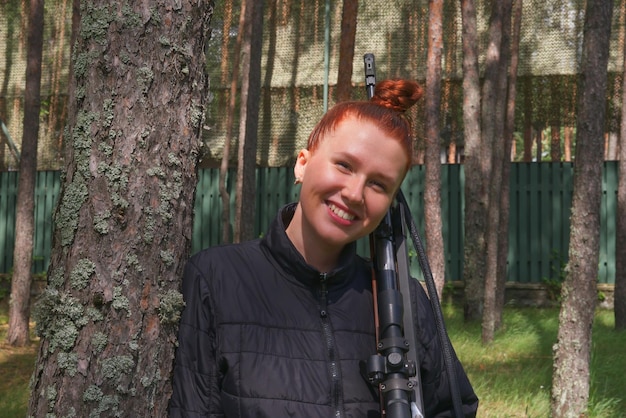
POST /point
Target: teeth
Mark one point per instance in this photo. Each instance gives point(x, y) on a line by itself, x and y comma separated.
point(341, 213)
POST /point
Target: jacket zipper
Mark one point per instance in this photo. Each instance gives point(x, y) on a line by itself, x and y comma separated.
point(335, 384)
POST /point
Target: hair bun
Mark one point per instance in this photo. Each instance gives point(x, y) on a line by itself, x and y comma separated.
point(397, 94)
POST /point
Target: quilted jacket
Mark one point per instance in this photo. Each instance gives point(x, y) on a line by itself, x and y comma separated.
point(264, 334)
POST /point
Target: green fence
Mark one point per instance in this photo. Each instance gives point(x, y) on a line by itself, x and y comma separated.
point(540, 197)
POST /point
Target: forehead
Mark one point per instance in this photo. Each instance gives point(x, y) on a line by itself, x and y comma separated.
point(367, 146)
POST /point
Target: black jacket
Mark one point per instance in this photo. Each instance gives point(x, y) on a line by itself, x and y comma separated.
point(264, 334)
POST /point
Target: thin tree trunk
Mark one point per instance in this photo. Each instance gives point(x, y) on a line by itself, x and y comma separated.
point(474, 244)
point(232, 104)
point(275, 144)
point(528, 119)
point(619, 295)
point(572, 352)
point(123, 225)
point(19, 309)
point(555, 125)
point(249, 121)
point(432, 187)
point(501, 21)
point(57, 110)
point(226, 27)
point(503, 248)
point(555, 143)
point(450, 98)
point(539, 143)
point(11, 14)
point(346, 49)
point(568, 134)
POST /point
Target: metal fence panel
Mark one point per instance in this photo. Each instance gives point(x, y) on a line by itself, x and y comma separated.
point(539, 220)
point(540, 204)
point(8, 194)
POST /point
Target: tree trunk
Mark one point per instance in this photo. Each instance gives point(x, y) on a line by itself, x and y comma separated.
point(503, 247)
point(474, 243)
point(539, 143)
point(619, 295)
point(555, 143)
point(432, 185)
point(346, 49)
point(56, 113)
point(11, 12)
point(19, 310)
point(555, 125)
point(232, 104)
point(108, 318)
point(570, 382)
point(249, 121)
point(568, 134)
point(528, 119)
point(501, 32)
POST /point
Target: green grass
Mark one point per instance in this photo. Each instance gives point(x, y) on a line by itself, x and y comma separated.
point(512, 376)
point(16, 366)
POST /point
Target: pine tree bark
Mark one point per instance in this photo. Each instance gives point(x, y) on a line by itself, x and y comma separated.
point(19, 309)
point(232, 105)
point(475, 207)
point(509, 140)
point(500, 35)
point(11, 12)
point(528, 119)
point(432, 184)
point(346, 49)
point(572, 352)
point(555, 119)
point(108, 317)
point(249, 121)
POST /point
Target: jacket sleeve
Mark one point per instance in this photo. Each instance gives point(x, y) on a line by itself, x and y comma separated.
point(195, 381)
point(434, 378)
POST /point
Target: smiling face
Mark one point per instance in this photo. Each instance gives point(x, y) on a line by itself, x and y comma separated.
point(348, 184)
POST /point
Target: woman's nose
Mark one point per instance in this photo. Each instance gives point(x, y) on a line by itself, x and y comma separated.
point(354, 190)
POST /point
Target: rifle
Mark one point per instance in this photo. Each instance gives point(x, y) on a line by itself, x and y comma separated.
point(395, 366)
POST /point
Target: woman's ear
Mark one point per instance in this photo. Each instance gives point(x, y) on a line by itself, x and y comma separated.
point(300, 166)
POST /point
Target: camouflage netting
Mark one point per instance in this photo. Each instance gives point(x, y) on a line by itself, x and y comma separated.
point(294, 72)
point(54, 80)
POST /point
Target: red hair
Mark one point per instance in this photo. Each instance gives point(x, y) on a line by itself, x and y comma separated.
point(386, 109)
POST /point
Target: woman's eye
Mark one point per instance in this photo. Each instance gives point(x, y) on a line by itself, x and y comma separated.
point(379, 186)
point(343, 165)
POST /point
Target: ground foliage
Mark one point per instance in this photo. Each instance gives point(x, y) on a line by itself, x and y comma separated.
point(511, 376)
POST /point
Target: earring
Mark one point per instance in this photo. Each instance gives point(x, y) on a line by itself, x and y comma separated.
point(298, 180)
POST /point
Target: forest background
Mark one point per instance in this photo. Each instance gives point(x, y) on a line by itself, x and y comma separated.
point(301, 42)
point(299, 55)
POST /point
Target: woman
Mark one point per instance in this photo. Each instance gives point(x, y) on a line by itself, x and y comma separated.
point(280, 326)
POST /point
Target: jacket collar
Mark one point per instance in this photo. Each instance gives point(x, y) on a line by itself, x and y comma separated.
point(291, 261)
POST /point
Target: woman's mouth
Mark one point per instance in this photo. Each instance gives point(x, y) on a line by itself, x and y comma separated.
point(341, 213)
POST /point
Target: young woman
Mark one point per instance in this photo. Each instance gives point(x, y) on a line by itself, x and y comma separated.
point(281, 326)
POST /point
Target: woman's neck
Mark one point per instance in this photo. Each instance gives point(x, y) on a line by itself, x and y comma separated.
point(323, 257)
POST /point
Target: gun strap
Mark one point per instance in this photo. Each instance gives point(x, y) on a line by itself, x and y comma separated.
point(442, 333)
